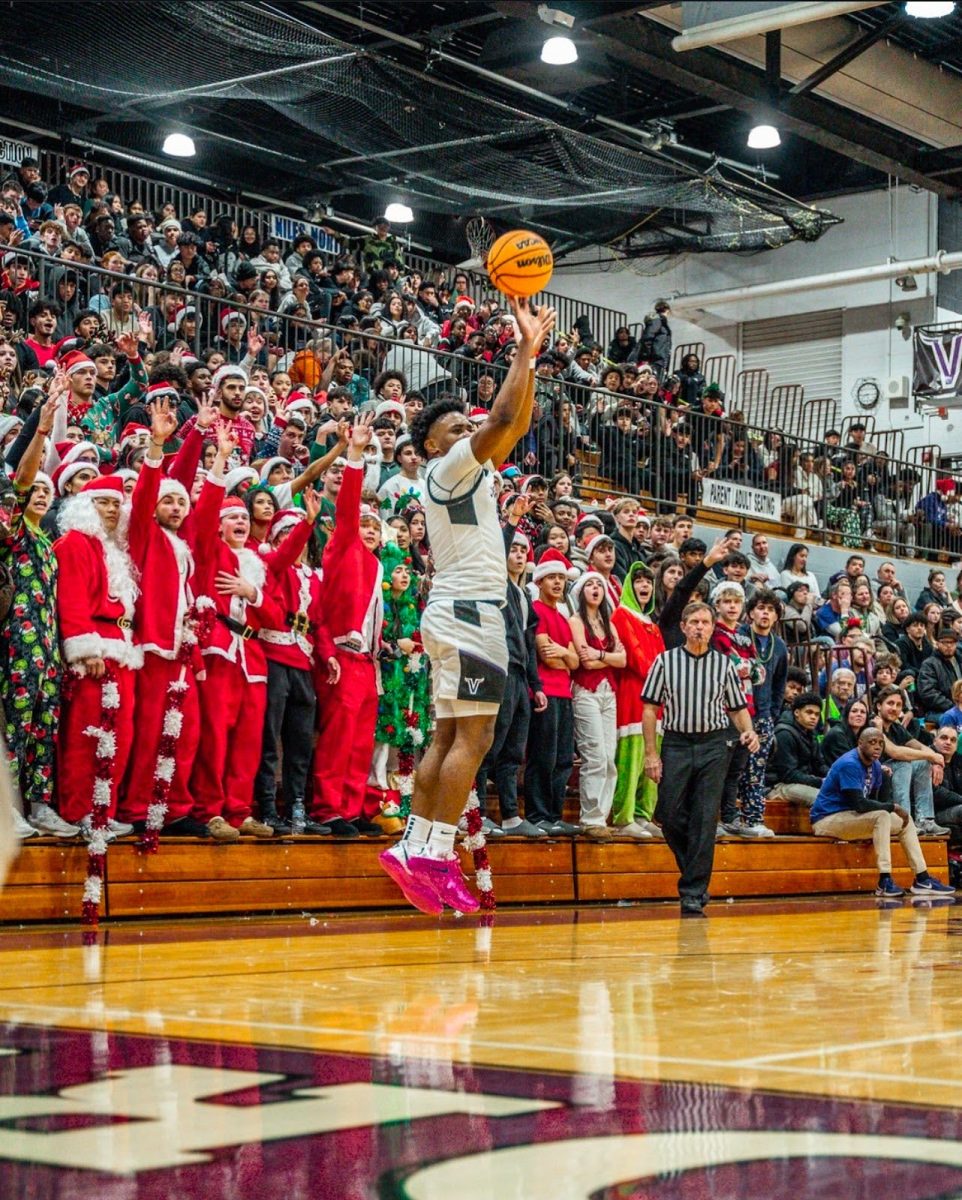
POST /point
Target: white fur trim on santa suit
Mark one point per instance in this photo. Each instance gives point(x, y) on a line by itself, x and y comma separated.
point(79, 513)
point(227, 371)
point(65, 473)
point(80, 364)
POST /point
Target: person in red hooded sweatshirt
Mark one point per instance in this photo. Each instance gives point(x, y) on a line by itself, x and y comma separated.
point(165, 626)
point(353, 610)
point(294, 649)
point(96, 596)
point(233, 694)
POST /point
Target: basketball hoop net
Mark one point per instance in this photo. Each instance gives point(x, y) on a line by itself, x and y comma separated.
point(480, 234)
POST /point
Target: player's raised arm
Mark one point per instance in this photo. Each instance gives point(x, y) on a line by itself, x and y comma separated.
point(510, 416)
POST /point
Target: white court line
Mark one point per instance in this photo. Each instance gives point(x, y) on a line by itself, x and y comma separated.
point(156, 1015)
point(849, 1047)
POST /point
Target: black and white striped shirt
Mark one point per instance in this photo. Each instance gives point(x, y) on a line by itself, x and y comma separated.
point(698, 691)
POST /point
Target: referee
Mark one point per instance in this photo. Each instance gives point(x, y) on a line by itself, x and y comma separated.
point(702, 698)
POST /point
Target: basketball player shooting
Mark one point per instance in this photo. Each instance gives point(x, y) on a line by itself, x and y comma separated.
point(463, 626)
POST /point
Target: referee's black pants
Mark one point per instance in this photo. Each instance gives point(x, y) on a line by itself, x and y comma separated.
point(692, 776)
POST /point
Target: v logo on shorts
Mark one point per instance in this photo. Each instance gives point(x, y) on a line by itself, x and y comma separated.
point(473, 685)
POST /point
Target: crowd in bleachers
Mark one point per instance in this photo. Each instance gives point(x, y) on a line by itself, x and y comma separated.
point(170, 358)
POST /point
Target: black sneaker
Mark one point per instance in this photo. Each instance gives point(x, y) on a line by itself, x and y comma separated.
point(368, 828)
point(186, 827)
point(316, 829)
point(691, 908)
point(341, 828)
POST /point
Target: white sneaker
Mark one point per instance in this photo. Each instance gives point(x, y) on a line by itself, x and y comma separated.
point(758, 830)
point(46, 820)
point(654, 830)
point(632, 830)
point(87, 830)
point(119, 828)
point(21, 826)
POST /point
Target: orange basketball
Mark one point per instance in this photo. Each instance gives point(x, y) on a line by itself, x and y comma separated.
point(520, 263)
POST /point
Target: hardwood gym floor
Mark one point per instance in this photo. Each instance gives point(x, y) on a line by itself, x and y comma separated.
point(794, 1048)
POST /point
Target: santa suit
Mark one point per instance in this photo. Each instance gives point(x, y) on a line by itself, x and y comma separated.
point(234, 693)
point(347, 713)
point(95, 606)
point(291, 649)
point(166, 568)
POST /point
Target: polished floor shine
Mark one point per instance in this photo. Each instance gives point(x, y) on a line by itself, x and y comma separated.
point(776, 1049)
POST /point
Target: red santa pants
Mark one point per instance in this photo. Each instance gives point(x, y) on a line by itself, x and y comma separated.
point(232, 716)
point(153, 698)
point(77, 750)
point(346, 718)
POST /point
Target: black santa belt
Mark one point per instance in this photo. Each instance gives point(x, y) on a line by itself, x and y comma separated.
point(243, 631)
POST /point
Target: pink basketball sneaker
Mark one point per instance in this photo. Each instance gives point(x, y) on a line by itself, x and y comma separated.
point(416, 891)
point(444, 875)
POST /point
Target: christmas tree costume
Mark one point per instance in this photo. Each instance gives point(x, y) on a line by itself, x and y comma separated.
point(30, 664)
point(635, 793)
point(404, 711)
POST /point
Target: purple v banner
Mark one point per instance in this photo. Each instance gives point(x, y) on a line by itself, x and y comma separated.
point(937, 362)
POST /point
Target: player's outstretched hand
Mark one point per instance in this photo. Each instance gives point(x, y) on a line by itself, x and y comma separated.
point(533, 328)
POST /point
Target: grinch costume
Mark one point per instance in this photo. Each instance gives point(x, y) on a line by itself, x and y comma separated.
point(404, 712)
point(635, 793)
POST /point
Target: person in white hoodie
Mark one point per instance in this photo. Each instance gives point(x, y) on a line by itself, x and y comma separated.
point(270, 259)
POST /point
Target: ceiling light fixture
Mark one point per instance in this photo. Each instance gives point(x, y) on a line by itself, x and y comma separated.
point(559, 51)
point(398, 214)
point(764, 137)
point(929, 9)
point(179, 145)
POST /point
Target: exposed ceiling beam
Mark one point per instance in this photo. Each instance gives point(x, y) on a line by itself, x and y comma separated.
point(844, 57)
point(646, 47)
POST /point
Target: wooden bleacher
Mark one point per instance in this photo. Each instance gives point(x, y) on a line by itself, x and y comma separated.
point(196, 878)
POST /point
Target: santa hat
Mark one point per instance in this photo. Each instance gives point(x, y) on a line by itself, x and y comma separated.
point(231, 504)
point(464, 300)
point(161, 391)
point(277, 461)
point(301, 404)
point(402, 441)
point(227, 371)
point(76, 361)
point(172, 487)
point(286, 519)
point(70, 452)
point(390, 406)
point(944, 486)
point(521, 539)
point(181, 315)
point(232, 315)
point(530, 480)
point(66, 471)
point(105, 487)
point(236, 477)
point(593, 543)
point(252, 387)
point(553, 562)
point(125, 475)
point(477, 415)
point(575, 594)
point(131, 430)
point(726, 585)
point(78, 169)
point(43, 477)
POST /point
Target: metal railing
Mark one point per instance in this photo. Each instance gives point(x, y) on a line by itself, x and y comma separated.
point(675, 459)
point(154, 194)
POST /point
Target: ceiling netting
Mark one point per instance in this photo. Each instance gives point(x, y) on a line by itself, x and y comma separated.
point(355, 117)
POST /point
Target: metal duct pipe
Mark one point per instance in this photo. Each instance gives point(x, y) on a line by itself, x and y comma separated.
point(728, 29)
point(939, 261)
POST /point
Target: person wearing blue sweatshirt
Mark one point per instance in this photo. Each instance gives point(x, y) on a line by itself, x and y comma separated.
point(854, 803)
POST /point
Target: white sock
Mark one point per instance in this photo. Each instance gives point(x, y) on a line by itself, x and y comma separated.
point(416, 834)
point(441, 841)
point(510, 822)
